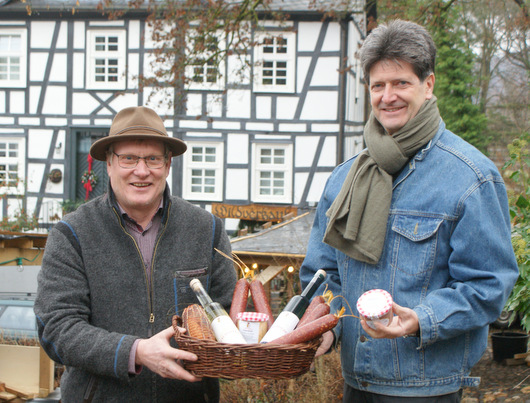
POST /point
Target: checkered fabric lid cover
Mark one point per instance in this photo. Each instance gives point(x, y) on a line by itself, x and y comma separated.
point(374, 303)
point(253, 316)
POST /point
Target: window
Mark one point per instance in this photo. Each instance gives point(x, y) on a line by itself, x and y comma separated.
point(206, 65)
point(106, 60)
point(272, 173)
point(12, 164)
point(13, 58)
point(203, 164)
point(274, 62)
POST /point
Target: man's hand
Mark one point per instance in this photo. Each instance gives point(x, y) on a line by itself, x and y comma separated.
point(157, 355)
point(327, 340)
point(405, 323)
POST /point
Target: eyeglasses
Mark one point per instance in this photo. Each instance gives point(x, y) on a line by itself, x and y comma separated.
point(129, 161)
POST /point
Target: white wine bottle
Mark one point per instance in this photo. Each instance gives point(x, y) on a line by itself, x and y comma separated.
point(295, 308)
point(223, 327)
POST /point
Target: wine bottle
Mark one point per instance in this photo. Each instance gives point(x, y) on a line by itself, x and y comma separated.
point(295, 308)
point(223, 327)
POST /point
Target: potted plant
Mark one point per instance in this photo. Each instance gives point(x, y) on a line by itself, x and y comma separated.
point(506, 343)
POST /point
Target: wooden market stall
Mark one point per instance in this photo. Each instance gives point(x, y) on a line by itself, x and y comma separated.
point(276, 253)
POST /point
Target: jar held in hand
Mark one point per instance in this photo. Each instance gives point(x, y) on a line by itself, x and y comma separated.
point(375, 306)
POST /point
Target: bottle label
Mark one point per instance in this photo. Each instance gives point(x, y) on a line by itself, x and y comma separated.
point(226, 331)
point(285, 323)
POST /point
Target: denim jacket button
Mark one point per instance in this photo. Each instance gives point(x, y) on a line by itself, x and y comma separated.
point(362, 339)
point(364, 384)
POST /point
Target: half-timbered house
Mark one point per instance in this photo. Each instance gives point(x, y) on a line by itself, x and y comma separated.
point(270, 139)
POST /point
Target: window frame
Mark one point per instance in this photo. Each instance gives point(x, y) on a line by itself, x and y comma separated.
point(261, 57)
point(21, 82)
point(258, 167)
point(189, 165)
point(92, 55)
point(204, 85)
point(20, 161)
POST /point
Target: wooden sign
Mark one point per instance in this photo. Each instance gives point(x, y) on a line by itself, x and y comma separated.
point(252, 212)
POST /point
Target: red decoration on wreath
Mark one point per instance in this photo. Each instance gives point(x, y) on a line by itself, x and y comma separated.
point(89, 178)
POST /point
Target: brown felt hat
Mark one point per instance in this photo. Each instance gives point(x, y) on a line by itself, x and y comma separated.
point(134, 123)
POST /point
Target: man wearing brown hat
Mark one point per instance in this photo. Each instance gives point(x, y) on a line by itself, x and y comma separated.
point(116, 270)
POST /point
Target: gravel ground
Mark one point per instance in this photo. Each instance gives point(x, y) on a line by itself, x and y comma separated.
point(499, 382)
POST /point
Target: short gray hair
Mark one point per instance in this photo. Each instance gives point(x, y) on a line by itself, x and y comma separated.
point(400, 41)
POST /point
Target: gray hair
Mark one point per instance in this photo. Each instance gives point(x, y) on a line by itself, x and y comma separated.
point(400, 41)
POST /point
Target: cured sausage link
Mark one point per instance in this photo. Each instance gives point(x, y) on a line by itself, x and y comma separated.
point(309, 331)
point(319, 299)
point(318, 311)
point(261, 302)
point(239, 298)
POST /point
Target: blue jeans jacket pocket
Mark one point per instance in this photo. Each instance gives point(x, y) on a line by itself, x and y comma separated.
point(414, 244)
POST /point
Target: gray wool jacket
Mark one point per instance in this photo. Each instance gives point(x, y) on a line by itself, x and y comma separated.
point(94, 301)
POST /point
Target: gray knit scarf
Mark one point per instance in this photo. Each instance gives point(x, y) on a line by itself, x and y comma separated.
point(358, 216)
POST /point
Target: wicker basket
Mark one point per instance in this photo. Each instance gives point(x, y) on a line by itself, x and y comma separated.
point(237, 361)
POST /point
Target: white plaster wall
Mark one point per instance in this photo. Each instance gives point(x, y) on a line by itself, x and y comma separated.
point(286, 107)
point(133, 71)
point(57, 188)
point(42, 34)
point(237, 149)
point(78, 77)
point(317, 186)
point(55, 101)
point(194, 105)
point(332, 39)
point(79, 34)
point(34, 177)
point(326, 72)
point(37, 64)
point(134, 34)
point(237, 184)
point(17, 102)
point(62, 39)
point(124, 101)
point(308, 35)
point(34, 94)
point(302, 66)
point(238, 104)
point(320, 105)
point(39, 143)
point(263, 107)
point(2, 101)
point(214, 105)
point(305, 149)
point(238, 70)
point(83, 103)
point(328, 155)
point(58, 71)
point(300, 179)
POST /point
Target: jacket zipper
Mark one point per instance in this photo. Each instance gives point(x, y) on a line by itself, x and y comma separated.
point(148, 283)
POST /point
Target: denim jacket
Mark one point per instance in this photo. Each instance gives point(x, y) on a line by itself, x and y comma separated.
point(447, 255)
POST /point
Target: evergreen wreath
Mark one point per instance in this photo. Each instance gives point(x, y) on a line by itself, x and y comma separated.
point(89, 177)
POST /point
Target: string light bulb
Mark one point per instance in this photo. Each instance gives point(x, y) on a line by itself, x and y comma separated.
point(290, 269)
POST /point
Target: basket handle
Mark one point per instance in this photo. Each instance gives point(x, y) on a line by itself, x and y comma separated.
point(176, 321)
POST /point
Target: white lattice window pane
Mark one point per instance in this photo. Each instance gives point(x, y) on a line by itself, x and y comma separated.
point(106, 60)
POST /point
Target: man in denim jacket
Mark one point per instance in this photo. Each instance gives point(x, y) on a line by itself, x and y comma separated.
point(423, 215)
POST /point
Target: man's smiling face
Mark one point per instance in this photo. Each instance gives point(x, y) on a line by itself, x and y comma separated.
point(140, 188)
point(396, 93)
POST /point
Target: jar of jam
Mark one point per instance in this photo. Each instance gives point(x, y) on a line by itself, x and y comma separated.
point(375, 306)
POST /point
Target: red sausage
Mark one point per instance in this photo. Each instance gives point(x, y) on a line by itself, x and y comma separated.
point(239, 298)
point(318, 311)
point(319, 299)
point(261, 303)
point(309, 331)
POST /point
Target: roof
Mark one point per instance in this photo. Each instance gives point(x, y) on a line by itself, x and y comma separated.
point(288, 238)
point(307, 6)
